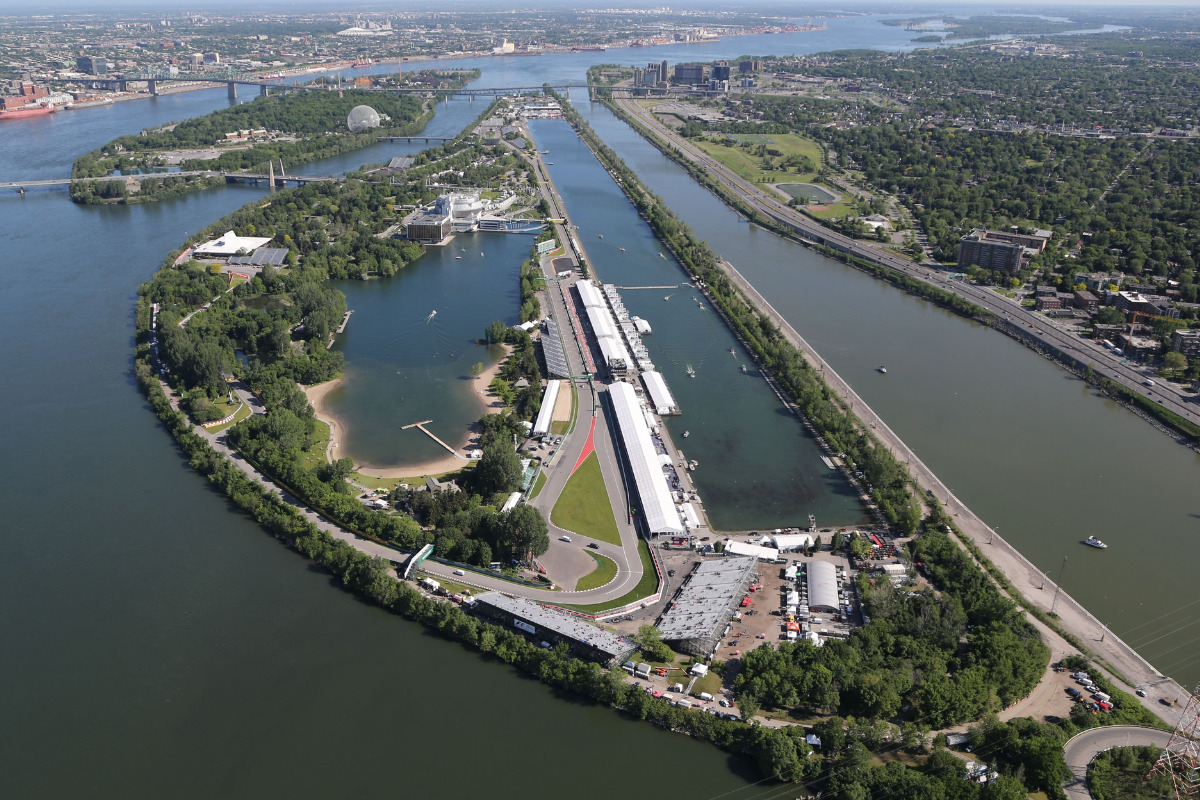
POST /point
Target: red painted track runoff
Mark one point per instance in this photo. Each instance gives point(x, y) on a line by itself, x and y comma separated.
point(588, 447)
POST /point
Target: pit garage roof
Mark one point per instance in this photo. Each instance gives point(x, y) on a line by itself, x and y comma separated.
point(821, 577)
point(542, 425)
point(657, 505)
point(590, 295)
point(664, 401)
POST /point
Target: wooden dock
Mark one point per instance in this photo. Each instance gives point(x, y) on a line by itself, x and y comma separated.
point(421, 427)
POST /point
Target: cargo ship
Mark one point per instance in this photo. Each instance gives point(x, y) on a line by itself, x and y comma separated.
point(588, 49)
point(26, 111)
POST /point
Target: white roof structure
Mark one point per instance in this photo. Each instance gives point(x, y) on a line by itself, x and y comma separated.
point(545, 415)
point(821, 577)
point(664, 401)
point(657, 506)
point(230, 244)
point(792, 541)
point(690, 517)
point(758, 551)
point(613, 350)
point(511, 502)
point(590, 295)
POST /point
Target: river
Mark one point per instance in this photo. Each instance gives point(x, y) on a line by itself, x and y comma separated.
point(157, 643)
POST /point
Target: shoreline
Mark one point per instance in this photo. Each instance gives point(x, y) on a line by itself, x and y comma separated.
point(486, 399)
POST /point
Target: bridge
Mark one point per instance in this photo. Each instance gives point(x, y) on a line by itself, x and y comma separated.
point(152, 81)
point(230, 177)
point(426, 139)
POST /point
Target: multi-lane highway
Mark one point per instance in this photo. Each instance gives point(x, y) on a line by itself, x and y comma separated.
point(1010, 314)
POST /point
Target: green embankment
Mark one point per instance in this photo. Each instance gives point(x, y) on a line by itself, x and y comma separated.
point(583, 506)
point(605, 571)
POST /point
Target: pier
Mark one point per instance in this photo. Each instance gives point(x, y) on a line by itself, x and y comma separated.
point(421, 427)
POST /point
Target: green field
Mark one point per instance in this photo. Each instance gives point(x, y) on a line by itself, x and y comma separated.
point(645, 587)
point(583, 506)
point(537, 485)
point(750, 166)
point(605, 571)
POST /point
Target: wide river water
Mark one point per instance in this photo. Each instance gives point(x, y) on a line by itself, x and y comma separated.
point(157, 643)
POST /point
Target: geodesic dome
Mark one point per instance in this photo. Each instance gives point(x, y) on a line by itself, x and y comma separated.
point(361, 118)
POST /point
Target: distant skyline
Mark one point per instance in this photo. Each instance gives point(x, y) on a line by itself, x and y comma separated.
point(44, 7)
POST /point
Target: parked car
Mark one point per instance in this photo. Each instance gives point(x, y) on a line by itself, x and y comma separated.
point(1141, 692)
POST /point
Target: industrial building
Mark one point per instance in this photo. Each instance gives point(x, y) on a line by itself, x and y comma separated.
point(544, 625)
point(430, 227)
point(645, 464)
point(821, 579)
point(541, 425)
point(699, 615)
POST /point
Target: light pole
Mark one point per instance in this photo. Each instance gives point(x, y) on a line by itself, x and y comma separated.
point(1058, 586)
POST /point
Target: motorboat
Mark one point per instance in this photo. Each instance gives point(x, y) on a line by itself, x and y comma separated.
point(744, 368)
point(691, 372)
point(687, 434)
point(1092, 541)
point(732, 352)
point(881, 369)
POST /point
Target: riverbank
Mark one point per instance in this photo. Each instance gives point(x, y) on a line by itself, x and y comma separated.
point(488, 402)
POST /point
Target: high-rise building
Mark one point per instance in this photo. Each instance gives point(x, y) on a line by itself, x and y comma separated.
point(212, 58)
point(691, 74)
point(720, 71)
point(92, 65)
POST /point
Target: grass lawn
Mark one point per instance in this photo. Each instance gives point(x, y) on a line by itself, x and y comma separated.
point(315, 455)
point(583, 506)
point(242, 412)
point(710, 683)
point(538, 484)
point(749, 166)
point(605, 571)
point(645, 587)
point(834, 211)
point(559, 427)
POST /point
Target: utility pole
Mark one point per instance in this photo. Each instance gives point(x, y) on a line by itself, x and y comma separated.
point(1058, 586)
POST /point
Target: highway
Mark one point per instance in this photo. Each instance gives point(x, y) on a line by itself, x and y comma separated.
point(1009, 313)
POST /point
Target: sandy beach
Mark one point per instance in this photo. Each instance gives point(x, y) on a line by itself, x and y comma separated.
point(488, 403)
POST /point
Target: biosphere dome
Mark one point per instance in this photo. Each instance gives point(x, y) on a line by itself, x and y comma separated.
point(361, 118)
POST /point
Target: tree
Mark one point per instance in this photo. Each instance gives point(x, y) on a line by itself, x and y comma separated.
point(498, 470)
point(652, 645)
point(1175, 360)
point(522, 530)
point(1110, 315)
point(477, 368)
